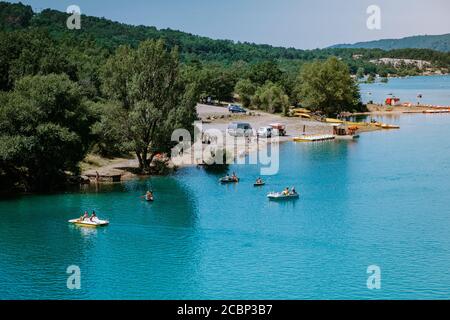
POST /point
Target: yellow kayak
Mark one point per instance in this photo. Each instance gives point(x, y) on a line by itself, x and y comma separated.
point(331, 120)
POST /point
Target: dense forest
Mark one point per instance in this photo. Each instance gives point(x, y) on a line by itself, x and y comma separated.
point(109, 35)
point(116, 89)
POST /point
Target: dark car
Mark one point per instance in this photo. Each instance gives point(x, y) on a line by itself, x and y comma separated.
point(236, 109)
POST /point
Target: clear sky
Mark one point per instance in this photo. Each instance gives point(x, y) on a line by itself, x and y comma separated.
point(304, 24)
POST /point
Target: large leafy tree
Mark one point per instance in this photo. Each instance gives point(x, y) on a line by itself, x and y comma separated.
point(271, 98)
point(153, 97)
point(328, 87)
point(44, 131)
point(245, 89)
point(217, 82)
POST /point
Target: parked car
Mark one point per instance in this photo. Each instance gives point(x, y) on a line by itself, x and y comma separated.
point(279, 129)
point(236, 109)
point(265, 132)
point(240, 129)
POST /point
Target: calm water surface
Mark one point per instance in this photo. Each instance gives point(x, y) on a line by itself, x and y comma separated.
point(382, 200)
point(435, 90)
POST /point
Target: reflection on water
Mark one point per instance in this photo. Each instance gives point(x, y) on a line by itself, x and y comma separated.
point(86, 232)
point(393, 118)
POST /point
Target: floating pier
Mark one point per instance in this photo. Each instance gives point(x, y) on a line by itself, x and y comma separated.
point(314, 137)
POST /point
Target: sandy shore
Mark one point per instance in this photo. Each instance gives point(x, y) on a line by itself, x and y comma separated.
point(218, 118)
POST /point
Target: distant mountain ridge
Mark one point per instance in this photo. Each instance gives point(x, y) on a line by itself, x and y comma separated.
point(434, 42)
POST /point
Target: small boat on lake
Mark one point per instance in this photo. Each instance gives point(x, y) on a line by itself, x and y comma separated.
point(229, 180)
point(259, 183)
point(282, 196)
point(148, 196)
point(89, 222)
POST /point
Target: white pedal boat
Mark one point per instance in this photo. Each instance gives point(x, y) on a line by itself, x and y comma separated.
point(88, 223)
point(282, 196)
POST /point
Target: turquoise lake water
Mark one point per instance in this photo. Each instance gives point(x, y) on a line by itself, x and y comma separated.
point(435, 90)
point(383, 200)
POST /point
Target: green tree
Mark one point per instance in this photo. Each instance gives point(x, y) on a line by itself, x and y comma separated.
point(153, 96)
point(109, 140)
point(44, 131)
point(360, 73)
point(245, 89)
point(370, 78)
point(271, 98)
point(328, 87)
point(217, 82)
point(265, 71)
point(14, 15)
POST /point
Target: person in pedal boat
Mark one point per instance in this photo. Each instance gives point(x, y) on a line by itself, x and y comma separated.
point(259, 181)
point(149, 196)
point(234, 177)
point(93, 216)
point(84, 216)
point(293, 191)
point(286, 191)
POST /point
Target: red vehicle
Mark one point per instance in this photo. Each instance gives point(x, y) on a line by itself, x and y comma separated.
point(392, 101)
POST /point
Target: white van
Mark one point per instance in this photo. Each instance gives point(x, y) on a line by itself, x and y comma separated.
point(240, 129)
point(265, 132)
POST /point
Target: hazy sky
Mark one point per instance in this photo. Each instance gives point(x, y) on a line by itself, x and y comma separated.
point(302, 24)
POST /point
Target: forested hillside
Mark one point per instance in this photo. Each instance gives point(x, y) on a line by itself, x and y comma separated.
point(109, 34)
point(433, 42)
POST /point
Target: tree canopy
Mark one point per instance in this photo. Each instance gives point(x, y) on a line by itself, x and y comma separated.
point(44, 131)
point(328, 87)
point(154, 99)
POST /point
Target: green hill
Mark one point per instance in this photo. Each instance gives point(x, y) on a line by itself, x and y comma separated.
point(434, 42)
point(109, 35)
point(99, 37)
